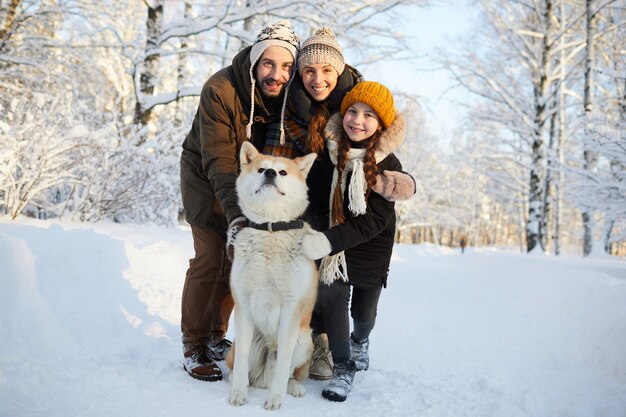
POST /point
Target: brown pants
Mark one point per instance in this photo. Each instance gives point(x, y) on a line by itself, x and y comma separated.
point(207, 303)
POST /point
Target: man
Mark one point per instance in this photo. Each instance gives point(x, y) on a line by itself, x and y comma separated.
point(237, 103)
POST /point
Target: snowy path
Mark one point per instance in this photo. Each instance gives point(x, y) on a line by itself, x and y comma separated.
point(89, 327)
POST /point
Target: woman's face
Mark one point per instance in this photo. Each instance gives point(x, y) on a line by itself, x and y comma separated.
point(319, 80)
point(360, 121)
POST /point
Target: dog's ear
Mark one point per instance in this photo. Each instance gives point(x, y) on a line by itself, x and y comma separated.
point(248, 153)
point(305, 163)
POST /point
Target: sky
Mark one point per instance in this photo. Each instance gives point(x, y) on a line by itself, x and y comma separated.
point(436, 27)
point(89, 324)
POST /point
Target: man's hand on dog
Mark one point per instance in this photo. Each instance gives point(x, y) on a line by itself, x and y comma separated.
point(315, 245)
point(235, 227)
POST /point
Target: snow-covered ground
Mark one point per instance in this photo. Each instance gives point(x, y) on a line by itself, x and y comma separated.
point(89, 326)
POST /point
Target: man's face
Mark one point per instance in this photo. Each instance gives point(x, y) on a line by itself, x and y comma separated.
point(273, 70)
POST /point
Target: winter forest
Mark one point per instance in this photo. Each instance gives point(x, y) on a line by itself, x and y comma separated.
point(97, 97)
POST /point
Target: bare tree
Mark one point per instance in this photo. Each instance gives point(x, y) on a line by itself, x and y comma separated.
point(38, 159)
point(233, 21)
point(589, 156)
point(124, 62)
point(148, 78)
point(518, 77)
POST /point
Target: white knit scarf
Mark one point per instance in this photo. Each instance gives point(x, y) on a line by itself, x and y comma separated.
point(334, 267)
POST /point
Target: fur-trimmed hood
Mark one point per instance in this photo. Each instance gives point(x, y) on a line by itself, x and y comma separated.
point(390, 139)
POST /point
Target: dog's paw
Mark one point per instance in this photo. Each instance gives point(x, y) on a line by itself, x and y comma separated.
point(315, 245)
point(295, 388)
point(238, 396)
point(273, 402)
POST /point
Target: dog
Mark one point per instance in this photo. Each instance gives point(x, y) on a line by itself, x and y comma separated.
point(273, 283)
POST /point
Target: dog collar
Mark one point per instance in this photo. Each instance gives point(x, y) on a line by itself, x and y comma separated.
point(277, 226)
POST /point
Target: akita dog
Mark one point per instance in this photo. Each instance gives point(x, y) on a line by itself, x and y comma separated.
point(273, 283)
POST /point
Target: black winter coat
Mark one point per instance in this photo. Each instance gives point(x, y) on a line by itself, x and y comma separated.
point(368, 239)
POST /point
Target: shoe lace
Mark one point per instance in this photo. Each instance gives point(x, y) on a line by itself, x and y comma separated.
point(323, 354)
point(225, 343)
point(222, 345)
point(200, 353)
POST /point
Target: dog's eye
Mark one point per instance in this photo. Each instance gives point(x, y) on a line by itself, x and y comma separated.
point(282, 172)
point(261, 170)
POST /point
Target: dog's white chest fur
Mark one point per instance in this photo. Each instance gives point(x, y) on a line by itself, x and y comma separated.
point(270, 271)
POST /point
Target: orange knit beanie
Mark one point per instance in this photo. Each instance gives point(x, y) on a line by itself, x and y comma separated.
point(375, 95)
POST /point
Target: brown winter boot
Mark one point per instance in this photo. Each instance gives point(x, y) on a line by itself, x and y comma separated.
point(218, 350)
point(321, 361)
point(198, 362)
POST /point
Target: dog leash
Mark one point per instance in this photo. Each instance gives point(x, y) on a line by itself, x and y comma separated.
point(277, 226)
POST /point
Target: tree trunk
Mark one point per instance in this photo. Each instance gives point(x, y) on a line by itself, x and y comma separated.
point(558, 191)
point(548, 193)
point(522, 221)
point(154, 23)
point(8, 21)
point(536, 208)
point(590, 158)
point(608, 230)
point(181, 79)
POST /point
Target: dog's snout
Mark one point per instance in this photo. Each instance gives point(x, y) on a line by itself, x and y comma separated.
point(270, 173)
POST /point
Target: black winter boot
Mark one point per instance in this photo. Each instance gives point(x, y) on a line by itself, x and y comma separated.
point(359, 352)
point(341, 382)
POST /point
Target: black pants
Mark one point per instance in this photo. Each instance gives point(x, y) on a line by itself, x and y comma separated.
point(331, 315)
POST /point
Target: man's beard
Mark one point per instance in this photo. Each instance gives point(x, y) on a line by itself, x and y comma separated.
point(273, 90)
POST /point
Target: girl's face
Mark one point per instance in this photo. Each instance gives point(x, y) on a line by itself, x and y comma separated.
point(360, 122)
point(319, 80)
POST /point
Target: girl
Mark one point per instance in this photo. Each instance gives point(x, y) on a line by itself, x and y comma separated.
point(360, 142)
